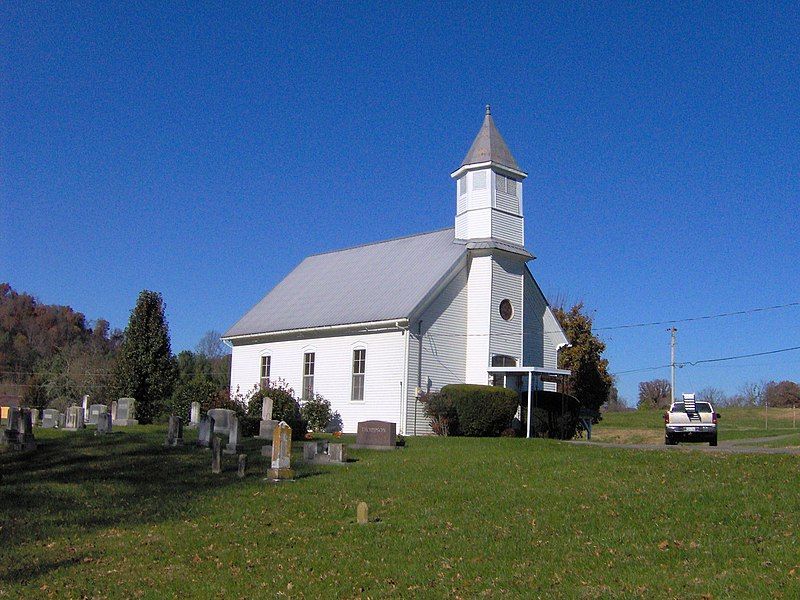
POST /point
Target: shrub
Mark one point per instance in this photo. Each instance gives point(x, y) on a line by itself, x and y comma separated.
point(317, 412)
point(197, 389)
point(441, 411)
point(482, 410)
point(285, 407)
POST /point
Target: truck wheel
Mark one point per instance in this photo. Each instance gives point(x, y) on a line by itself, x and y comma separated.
point(669, 441)
point(713, 441)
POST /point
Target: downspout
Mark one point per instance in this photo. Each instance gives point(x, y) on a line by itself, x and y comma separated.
point(419, 374)
point(404, 384)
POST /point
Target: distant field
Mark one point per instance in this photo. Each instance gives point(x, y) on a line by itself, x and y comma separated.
point(647, 426)
point(122, 517)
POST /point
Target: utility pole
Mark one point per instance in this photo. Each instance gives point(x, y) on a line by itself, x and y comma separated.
point(672, 332)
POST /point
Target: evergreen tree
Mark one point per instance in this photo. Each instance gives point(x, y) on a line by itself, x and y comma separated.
point(145, 368)
point(590, 381)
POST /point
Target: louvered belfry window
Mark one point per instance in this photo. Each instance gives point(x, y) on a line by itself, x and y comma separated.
point(359, 369)
point(479, 180)
point(499, 183)
point(308, 375)
point(511, 187)
point(462, 185)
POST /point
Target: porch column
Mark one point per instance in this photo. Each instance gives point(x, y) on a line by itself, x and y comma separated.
point(530, 377)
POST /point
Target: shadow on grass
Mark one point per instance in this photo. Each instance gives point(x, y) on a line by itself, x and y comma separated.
point(76, 483)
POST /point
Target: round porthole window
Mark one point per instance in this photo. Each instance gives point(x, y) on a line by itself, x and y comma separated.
point(506, 310)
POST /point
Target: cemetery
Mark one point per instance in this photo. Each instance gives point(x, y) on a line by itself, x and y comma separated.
point(118, 511)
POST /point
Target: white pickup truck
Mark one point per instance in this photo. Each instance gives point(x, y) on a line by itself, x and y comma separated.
point(690, 421)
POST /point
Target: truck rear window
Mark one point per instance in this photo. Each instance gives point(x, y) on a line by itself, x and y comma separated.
point(703, 407)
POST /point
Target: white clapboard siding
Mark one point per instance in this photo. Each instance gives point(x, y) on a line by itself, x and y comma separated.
point(506, 336)
point(534, 307)
point(508, 227)
point(474, 224)
point(544, 335)
point(441, 346)
point(383, 380)
point(479, 199)
point(479, 301)
point(507, 202)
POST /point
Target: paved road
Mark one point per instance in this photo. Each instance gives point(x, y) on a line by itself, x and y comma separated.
point(727, 447)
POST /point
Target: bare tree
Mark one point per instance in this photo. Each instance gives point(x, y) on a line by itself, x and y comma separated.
point(211, 346)
point(715, 396)
point(655, 393)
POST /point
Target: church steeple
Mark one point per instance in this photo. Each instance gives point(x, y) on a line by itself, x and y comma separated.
point(489, 146)
point(489, 189)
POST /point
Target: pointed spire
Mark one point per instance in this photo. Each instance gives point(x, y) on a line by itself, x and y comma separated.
point(489, 145)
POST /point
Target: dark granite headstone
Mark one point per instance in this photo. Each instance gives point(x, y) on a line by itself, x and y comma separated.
point(50, 418)
point(174, 432)
point(94, 413)
point(205, 431)
point(376, 435)
point(126, 412)
point(104, 422)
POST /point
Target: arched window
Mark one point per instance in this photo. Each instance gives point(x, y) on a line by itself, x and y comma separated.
point(266, 365)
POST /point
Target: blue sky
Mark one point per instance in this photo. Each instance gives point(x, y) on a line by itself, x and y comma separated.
point(203, 151)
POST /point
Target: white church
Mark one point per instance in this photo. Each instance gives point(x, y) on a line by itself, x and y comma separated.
point(372, 326)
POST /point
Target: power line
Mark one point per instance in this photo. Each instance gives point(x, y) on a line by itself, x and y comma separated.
point(628, 325)
point(692, 363)
point(702, 318)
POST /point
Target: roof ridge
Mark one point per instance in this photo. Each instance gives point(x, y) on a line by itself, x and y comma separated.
point(394, 239)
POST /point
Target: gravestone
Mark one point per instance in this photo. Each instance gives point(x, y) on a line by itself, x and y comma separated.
point(34, 416)
point(194, 415)
point(18, 434)
point(94, 413)
point(205, 431)
point(25, 439)
point(222, 419)
point(234, 436)
point(104, 422)
point(50, 418)
point(309, 450)
point(267, 424)
point(216, 454)
point(126, 412)
point(62, 420)
point(242, 471)
point(113, 411)
point(11, 432)
point(281, 452)
point(337, 453)
point(174, 432)
point(362, 513)
point(323, 452)
point(376, 435)
point(74, 418)
point(266, 450)
point(85, 408)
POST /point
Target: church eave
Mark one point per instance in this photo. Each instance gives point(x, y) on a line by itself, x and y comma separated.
point(398, 323)
point(488, 164)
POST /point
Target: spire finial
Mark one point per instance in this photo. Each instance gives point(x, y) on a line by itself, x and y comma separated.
point(488, 109)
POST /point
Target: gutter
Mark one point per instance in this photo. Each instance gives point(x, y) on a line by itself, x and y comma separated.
point(388, 324)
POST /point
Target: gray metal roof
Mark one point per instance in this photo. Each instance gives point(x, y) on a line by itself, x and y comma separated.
point(491, 243)
point(489, 145)
point(374, 282)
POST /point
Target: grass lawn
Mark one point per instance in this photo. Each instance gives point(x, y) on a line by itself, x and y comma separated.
point(122, 517)
point(647, 426)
